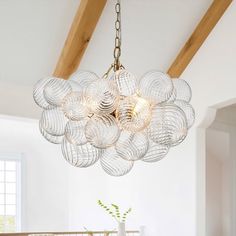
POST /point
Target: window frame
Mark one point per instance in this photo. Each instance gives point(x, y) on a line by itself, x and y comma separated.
point(16, 157)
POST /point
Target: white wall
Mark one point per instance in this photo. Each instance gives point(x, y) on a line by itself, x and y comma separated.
point(45, 176)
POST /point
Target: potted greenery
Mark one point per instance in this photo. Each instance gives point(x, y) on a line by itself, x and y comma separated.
point(114, 212)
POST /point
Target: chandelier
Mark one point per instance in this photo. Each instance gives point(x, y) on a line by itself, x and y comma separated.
point(117, 118)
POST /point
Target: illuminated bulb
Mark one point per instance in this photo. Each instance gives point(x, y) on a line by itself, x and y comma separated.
point(74, 106)
point(133, 113)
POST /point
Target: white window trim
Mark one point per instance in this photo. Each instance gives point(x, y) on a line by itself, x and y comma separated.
point(18, 157)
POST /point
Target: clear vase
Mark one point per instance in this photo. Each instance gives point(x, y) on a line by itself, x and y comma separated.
point(121, 229)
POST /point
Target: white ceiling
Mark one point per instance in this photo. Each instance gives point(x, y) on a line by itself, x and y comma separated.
point(33, 33)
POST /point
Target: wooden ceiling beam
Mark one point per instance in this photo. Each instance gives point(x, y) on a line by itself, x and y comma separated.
point(80, 33)
point(203, 29)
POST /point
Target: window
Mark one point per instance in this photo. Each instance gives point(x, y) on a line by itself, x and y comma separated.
point(10, 194)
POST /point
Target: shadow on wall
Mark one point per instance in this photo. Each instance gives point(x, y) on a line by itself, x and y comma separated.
point(216, 175)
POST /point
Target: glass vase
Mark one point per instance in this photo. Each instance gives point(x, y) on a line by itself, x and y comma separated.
point(121, 229)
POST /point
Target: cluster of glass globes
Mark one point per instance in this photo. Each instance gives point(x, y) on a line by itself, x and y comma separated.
point(117, 120)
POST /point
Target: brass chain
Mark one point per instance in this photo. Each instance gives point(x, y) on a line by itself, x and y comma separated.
point(117, 49)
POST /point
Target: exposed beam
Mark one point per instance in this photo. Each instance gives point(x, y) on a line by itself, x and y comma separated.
point(207, 23)
point(80, 33)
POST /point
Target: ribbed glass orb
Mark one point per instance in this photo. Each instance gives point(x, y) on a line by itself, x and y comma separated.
point(80, 155)
point(133, 113)
point(155, 152)
point(102, 131)
point(51, 138)
point(74, 85)
point(75, 132)
point(38, 93)
point(102, 96)
point(113, 164)
point(188, 111)
point(74, 106)
point(132, 146)
point(55, 91)
point(168, 125)
point(83, 78)
point(156, 87)
point(181, 91)
point(126, 82)
point(53, 121)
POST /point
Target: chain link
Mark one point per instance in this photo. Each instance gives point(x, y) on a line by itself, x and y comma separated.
point(117, 49)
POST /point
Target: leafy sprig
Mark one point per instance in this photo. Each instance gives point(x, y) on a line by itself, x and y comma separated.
point(114, 211)
point(125, 214)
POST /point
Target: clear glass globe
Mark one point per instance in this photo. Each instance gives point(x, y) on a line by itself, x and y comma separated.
point(102, 131)
point(74, 106)
point(113, 164)
point(102, 96)
point(155, 152)
point(181, 91)
point(51, 138)
point(38, 93)
point(75, 132)
point(132, 146)
point(53, 121)
point(126, 82)
point(74, 85)
point(133, 113)
point(80, 155)
point(188, 111)
point(168, 125)
point(55, 90)
point(83, 78)
point(156, 87)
